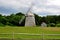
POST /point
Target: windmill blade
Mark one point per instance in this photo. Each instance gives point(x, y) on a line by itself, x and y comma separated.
point(21, 19)
point(30, 8)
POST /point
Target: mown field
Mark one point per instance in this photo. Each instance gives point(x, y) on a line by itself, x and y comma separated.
point(27, 31)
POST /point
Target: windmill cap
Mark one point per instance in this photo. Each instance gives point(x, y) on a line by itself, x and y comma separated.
point(30, 14)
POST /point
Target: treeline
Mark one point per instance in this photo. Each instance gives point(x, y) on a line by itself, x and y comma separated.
point(13, 20)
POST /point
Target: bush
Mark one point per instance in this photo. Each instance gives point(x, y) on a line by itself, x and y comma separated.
point(52, 24)
point(1, 25)
point(58, 25)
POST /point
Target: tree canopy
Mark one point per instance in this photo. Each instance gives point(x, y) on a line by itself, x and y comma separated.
point(13, 19)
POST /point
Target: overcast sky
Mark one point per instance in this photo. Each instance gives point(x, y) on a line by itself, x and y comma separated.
point(41, 7)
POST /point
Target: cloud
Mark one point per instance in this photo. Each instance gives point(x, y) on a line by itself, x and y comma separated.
point(53, 2)
point(41, 7)
point(50, 7)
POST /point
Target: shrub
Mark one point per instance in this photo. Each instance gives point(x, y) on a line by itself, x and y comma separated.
point(52, 24)
point(1, 25)
point(58, 25)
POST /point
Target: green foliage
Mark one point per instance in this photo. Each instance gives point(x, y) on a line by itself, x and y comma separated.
point(2, 25)
point(52, 24)
point(58, 25)
point(37, 20)
point(14, 19)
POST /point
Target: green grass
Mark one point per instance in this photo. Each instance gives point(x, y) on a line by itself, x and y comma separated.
point(34, 30)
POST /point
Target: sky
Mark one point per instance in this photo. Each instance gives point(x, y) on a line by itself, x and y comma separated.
point(40, 7)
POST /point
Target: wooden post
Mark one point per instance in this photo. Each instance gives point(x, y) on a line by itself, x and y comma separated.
point(13, 36)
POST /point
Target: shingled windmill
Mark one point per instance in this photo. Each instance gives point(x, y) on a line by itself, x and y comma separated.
point(30, 20)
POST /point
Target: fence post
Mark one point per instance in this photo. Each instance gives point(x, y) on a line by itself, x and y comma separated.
point(13, 36)
point(42, 36)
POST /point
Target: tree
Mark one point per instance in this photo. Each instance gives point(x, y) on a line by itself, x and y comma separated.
point(37, 19)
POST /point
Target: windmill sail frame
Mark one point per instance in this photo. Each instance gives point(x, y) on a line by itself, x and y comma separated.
point(21, 19)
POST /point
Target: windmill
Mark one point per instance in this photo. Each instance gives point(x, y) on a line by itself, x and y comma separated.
point(30, 20)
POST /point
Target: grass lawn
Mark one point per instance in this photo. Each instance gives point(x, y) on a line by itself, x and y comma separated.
point(30, 30)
